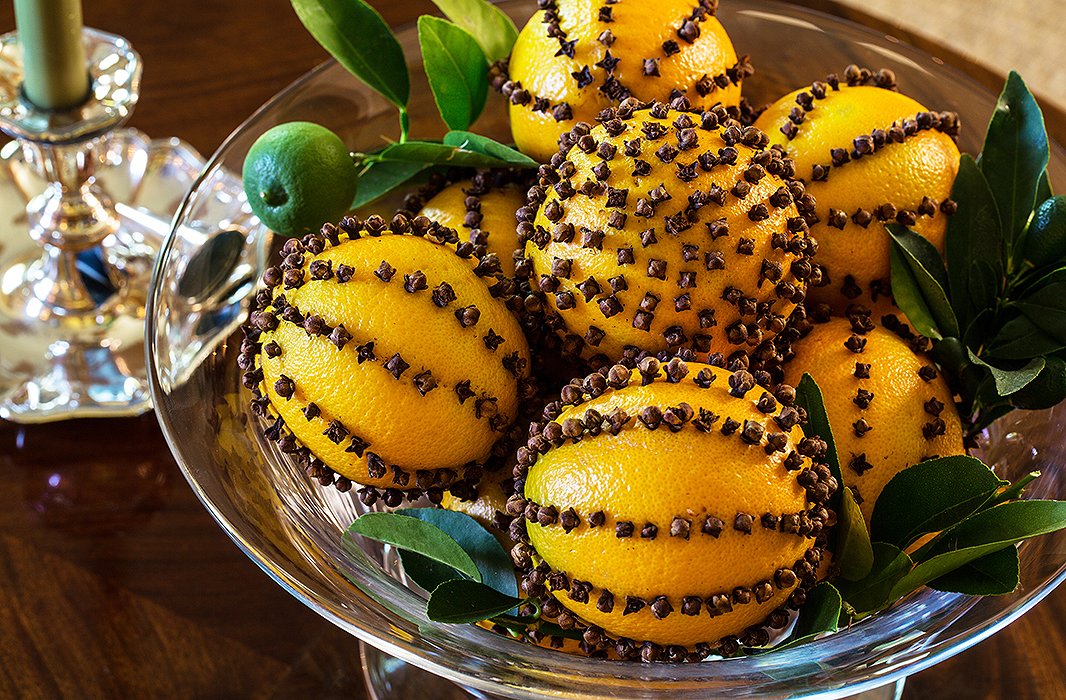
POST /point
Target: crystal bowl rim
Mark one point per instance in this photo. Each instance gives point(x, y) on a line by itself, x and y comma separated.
point(409, 651)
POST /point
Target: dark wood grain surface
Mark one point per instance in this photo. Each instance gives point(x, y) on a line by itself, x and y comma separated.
point(115, 582)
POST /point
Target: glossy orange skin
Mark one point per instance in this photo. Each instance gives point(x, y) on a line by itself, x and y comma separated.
point(901, 174)
point(741, 271)
point(896, 412)
point(403, 427)
point(498, 217)
point(641, 476)
point(640, 29)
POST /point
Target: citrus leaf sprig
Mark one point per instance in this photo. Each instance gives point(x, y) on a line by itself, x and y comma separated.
point(456, 69)
point(355, 34)
point(948, 523)
point(997, 312)
point(456, 53)
point(466, 570)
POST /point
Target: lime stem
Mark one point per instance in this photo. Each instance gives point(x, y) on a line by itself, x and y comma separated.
point(274, 195)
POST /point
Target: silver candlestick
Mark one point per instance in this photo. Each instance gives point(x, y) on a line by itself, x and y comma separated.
point(84, 207)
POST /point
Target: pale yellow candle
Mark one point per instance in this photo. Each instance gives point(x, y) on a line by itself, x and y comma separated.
point(53, 56)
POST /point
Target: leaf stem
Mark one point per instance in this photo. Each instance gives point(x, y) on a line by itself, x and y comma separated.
point(516, 629)
point(405, 124)
point(522, 619)
point(1014, 491)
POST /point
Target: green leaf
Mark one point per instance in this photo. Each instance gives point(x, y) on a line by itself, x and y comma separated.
point(818, 616)
point(1015, 156)
point(872, 593)
point(1047, 311)
point(483, 144)
point(973, 244)
point(493, 30)
point(931, 496)
point(983, 533)
point(925, 264)
point(1045, 241)
point(414, 535)
point(432, 153)
point(853, 552)
point(355, 34)
point(461, 601)
point(1047, 390)
point(491, 559)
point(1045, 304)
point(1009, 381)
point(1046, 279)
point(908, 296)
point(921, 253)
point(381, 177)
point(809, 396)
point(1043, 189)
point(1021, 339)
point(997, 573)
point(456, 70)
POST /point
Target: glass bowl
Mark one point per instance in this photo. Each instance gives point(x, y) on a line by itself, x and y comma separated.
point(292, 528)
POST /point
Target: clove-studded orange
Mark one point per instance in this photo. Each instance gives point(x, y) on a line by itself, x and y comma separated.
point(666, 229)
point(575, 57)
point(489, 508)
point(670, 509)
point(485, 210)
point(381, 356)
point(888, 405)
point(871, 156)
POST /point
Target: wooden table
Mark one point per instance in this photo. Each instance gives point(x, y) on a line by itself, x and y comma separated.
point(115, 582)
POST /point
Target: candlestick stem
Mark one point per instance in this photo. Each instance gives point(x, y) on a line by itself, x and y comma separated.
point(73, 211)
point(72, 215)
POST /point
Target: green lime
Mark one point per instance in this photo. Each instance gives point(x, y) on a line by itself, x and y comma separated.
point(298, 176)
point(1045, 243)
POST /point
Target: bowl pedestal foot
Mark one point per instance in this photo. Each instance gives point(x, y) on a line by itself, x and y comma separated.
point(388, 678)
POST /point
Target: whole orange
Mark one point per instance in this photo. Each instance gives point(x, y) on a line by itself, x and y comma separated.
point(870, 156)
point(576, 57)
point(672, 504)
point(383, 357)
point(888, 405)
point(663, 230)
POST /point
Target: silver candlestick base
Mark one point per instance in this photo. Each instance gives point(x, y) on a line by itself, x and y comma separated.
point(84, 208)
